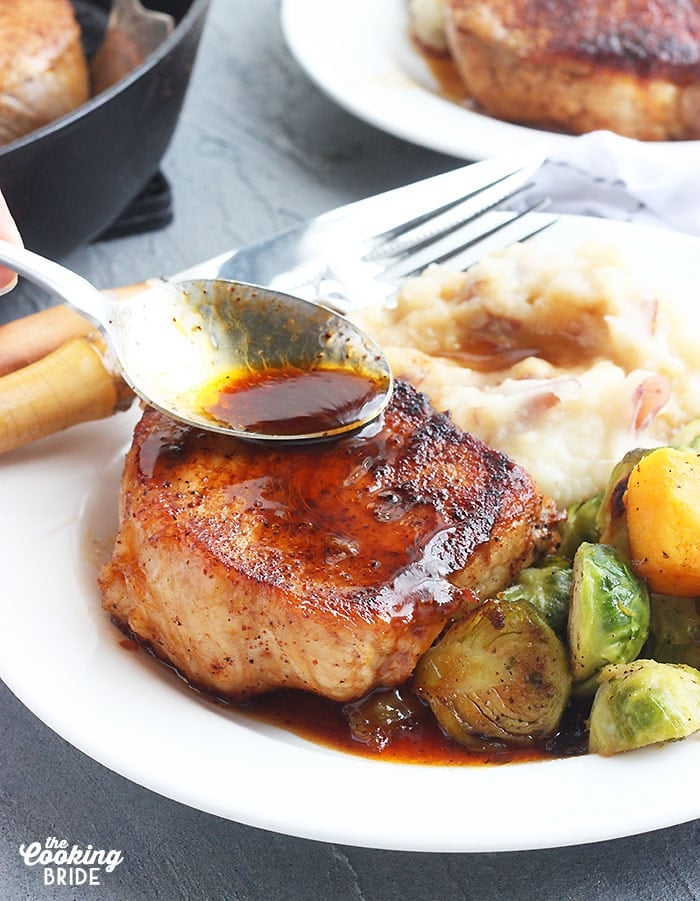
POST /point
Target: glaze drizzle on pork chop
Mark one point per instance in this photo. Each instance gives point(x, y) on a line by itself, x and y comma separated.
point(327, 567)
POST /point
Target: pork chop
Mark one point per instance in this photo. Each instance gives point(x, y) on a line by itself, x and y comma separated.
point(43, 69)
point(631, 66)
point(328, 567)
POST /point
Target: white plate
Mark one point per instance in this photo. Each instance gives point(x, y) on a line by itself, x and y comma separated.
point(62, 657)
point(360, 54)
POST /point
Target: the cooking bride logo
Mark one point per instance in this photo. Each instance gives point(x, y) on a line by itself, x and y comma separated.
point(65, 864)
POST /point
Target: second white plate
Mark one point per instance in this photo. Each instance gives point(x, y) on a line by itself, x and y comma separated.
point(360, 54)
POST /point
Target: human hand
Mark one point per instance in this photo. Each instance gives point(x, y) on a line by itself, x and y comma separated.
point(8, 232)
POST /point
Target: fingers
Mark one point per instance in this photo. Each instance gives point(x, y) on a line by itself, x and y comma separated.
point(8, 232)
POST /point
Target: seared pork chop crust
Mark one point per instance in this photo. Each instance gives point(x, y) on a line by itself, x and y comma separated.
point(328, 567)
point(43, 70)
point(629, 65)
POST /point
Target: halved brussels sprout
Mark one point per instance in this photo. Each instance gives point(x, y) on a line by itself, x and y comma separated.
point(547, 586)
point(383, 716)
point(611, 519)
point(581, 524)
point(643, 703)
point(609, 613)
point(674, 631)
point(499, 674)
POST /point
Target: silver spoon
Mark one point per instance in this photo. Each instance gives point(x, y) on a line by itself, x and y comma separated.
point(179, 341)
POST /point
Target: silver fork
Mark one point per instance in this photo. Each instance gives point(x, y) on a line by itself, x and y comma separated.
point(348, 258)
point(358, 255)
point(351, 257)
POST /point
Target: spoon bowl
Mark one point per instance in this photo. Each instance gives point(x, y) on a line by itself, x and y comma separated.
point(181, 346)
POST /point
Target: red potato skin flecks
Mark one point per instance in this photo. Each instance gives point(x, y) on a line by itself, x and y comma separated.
point(327, 567)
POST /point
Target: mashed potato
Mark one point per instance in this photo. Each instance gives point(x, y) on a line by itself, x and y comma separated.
point(561, 359)
point(427, 19)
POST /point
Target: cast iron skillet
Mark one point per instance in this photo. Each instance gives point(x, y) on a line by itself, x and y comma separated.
point(70, 180)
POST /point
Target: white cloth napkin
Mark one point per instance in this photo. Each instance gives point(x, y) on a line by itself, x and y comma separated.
point(603, 174)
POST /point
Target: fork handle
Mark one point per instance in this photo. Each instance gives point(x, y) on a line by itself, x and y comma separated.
point(72, 384)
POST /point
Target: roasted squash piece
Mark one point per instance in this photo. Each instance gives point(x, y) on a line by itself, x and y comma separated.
point(662, 501)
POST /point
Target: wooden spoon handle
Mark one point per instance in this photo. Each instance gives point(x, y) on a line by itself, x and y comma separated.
point(26, 340)
point(72, 384)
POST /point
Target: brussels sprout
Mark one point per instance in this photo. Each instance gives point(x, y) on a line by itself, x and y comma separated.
point(611, 519)
point(581, 525)
point(547, 586)
point(609, 613)
point(499, 674)
point(383, 716)
point(643, 703)
point(674, 631)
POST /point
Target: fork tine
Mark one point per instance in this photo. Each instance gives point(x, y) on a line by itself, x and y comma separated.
point(387, 243)
point(478, 240)
point(349, 285)
point(382, 213)
point(401, 242)
point(408, 246)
